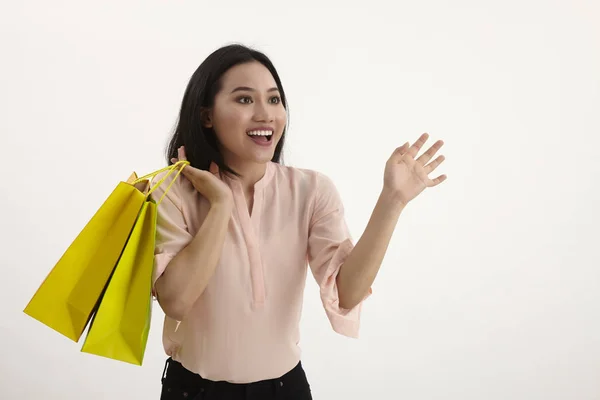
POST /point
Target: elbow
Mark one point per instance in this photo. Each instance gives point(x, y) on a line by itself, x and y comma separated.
point(351, 293)
point(171, 304)
point(347, 297)
point(348, 302)
point(174, 309)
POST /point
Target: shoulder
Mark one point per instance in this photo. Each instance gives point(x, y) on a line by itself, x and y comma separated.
point(176, 187)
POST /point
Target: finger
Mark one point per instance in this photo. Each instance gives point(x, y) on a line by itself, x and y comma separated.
point(414, 149)
point(214, 168)
point(438, 180)
point(434, 164)
point(188, 172)
point(181, 153)
point(174, 160)
point(399, 152)
point(193, 174)
point(428, 155)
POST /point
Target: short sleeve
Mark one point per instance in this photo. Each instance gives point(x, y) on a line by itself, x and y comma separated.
point(172, 234)
point(329, 244)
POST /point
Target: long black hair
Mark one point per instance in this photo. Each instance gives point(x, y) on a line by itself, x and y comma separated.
point(200, 142)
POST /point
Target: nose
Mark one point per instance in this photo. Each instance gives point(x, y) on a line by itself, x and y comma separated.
point(263, 112)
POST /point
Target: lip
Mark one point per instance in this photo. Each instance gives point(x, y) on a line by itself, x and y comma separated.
point(262, 144)
point(261, 128)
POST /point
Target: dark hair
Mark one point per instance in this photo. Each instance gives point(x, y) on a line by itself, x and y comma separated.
point(201, 142)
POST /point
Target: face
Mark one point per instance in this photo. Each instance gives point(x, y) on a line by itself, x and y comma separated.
point(248, 116)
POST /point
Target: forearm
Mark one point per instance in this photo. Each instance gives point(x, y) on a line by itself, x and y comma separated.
point(189, 272)
point(362, 264)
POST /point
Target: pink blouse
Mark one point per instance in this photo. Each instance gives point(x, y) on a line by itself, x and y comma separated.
point(245, 325)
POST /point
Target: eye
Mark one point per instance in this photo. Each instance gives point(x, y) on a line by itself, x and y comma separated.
point(275, 99)
point(244, 100)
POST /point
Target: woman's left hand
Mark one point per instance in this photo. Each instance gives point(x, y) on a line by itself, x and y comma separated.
point(406, 177)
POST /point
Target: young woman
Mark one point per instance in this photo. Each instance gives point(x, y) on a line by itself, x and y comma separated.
point(237, 231)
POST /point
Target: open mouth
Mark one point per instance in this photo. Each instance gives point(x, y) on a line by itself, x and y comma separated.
point(262, 136)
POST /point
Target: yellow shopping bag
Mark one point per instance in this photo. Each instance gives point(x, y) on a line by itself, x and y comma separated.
point(119, 329)
point(67, 298)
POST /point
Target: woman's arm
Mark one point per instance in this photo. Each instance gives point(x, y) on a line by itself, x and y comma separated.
point(404, 179)
point(188, 273)
point(359, 270)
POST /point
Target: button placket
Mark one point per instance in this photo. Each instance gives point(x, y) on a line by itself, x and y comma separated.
point(248, 225)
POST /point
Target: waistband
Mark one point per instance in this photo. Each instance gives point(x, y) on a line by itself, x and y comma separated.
point(175, 372)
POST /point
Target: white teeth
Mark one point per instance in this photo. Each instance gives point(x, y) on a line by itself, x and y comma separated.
point(260, 133)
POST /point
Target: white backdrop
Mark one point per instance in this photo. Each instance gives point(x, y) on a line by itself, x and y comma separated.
point(491, 285)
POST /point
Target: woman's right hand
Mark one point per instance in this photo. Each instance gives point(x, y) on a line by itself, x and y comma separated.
point(207, 183)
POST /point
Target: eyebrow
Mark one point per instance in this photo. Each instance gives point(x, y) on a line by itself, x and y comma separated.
point(249, 89)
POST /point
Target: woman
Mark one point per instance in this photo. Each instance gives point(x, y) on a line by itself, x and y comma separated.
point(234, 238)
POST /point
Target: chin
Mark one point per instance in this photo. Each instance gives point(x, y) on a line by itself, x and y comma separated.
point(263, 160)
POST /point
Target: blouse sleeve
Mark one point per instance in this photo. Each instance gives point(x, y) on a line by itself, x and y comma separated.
point(172, 234)
point(329, 244)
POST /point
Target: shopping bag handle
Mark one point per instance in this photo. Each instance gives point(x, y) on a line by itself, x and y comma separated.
point(178, 166)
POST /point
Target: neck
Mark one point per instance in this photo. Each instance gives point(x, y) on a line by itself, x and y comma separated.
point(250, 174)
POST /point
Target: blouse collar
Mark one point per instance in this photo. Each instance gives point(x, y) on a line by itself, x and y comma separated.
point(262, 182)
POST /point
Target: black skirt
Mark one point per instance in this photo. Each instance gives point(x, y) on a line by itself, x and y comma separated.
point(178, 383)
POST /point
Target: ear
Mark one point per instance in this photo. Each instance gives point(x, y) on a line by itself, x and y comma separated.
point(206, 117)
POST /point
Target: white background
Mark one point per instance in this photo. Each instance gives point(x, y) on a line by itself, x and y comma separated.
point(491, 285)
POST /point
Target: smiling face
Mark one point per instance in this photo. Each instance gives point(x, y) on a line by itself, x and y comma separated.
point(248, 116)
